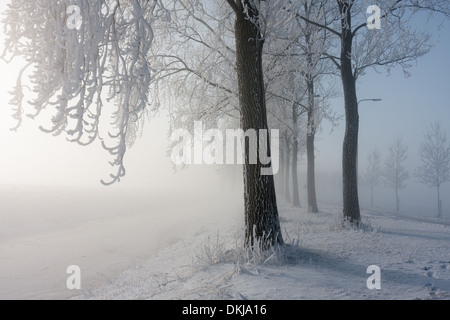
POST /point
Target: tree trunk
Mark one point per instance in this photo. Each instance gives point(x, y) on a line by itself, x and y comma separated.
point(371, 196)
point(397, 200)
point(281, 174)
point(295, 190)
point(351, 208)
point(261, 213)
point(287, 189)
point(311, 175)
point(310, 151)
point(439, 201)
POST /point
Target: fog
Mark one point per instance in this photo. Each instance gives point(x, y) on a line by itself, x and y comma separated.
point(408, 107)
point(50, 189)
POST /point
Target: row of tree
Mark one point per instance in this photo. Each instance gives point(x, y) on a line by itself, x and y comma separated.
point(434, 169)
point(247, 63)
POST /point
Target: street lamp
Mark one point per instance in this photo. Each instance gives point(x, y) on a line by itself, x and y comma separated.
point(363, 100)
point(373, 100)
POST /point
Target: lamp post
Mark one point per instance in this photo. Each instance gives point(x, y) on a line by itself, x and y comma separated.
point(357, 151)
point(373, 100)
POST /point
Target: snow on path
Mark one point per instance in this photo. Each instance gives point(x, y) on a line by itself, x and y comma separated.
point(329, 263)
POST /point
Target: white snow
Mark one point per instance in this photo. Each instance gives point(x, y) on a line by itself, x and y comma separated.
point(104, 231)
point(144, 249)
point(329, 262)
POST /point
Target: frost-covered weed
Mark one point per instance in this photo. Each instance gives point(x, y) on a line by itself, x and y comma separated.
point(340, 223)
point(212, 252)
point(219, 250)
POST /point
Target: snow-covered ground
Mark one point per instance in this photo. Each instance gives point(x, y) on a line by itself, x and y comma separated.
point(324, 261)
point(175, 246)
point(104, 231)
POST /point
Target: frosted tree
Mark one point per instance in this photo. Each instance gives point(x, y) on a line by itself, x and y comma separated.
point(434, 155)
point(287, 147)
point(206, 36)
point(313, 43)
point(372, 174)
point(280, 116)
point(90, 61)
point(395, 173)
point(297, 57)
point(193, 58)
point(80, 55)
point(290, 95)
point(252, 18)
point(194, 63)
point(367, 36)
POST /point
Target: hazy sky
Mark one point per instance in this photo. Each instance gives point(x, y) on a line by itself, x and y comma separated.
point(408, 107)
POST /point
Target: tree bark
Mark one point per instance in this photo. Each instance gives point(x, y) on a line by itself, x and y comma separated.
point(311, 175)
point(281, 174)
point(295, 189)
point(310, 151)
point(439, 201)
point(351, 208)
point(261, 214)
point(311, 130)
point(371, 195)
point(287, 189)
point(397, 200)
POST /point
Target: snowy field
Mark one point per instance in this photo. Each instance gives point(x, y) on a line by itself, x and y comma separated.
point(137, 246)
point(104, 231)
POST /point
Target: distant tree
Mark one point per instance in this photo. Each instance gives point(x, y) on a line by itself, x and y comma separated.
point(312, 44)
point(287, 145)
point(297, 71)
point(291, 93)
point(395, 173)
point(372, 174)
point(359, 45)
point(434, 154)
